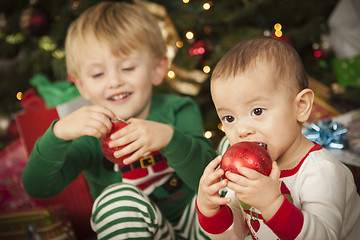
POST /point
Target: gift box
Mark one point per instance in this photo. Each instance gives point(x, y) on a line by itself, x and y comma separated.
point(32, 123)
point(321, 108)
point(41, 223)
point(12, 194)
point(347, 71)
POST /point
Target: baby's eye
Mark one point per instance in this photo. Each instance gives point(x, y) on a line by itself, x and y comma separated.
point(228, 119)
point(257, 112)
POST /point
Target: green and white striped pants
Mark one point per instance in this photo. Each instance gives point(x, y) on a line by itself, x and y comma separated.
point(122, 211)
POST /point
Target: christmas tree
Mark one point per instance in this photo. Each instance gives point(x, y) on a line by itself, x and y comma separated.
point(198, 34)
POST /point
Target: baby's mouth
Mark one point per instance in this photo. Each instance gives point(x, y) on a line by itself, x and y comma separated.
point(120, 96)
point(262, 145)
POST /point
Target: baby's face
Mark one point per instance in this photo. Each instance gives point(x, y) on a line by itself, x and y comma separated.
point(122, 84)
point(254, 107)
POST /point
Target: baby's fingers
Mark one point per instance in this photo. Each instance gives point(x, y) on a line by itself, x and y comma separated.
point(275, 172)
point(212, 165)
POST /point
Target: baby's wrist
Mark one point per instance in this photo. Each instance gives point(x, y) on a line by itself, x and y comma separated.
point(206, 211)
point(269, 211)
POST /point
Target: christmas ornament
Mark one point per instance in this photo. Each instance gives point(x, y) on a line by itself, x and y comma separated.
point(187, 82)
point(166, 26)
point(327, 133)
point(109, 152)
point(246, 154)
point(35, 20)
point(199, 48)
point(281, 37)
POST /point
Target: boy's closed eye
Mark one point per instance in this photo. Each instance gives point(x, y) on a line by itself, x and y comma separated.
point(128, 69)
point(96, 75)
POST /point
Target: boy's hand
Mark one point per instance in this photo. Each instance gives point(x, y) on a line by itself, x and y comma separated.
point(208, 199)
point(257, 190)
point(89, 120)
point(140, 136)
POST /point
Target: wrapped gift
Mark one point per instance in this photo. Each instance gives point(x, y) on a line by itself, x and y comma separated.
point(12, 194)
point(32, 123)
point(347, 71)
point(40, 223)
point(321, 108)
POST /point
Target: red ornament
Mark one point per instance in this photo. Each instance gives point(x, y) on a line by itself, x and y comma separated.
point(282, 37)
point(35, 20)
point(109, 152)
point(198, 48)
point(246, 154)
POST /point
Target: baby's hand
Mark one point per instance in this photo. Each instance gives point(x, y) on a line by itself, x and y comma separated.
point(140, 136)
point(89, 120)
point(208, 199)
point(257, 190)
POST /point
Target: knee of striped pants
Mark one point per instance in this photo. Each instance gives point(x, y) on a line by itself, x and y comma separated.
point(122, 211)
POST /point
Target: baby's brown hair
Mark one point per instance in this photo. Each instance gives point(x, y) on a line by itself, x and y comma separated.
point(250, 53)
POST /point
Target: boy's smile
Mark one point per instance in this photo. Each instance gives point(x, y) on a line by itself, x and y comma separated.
point(122, 84)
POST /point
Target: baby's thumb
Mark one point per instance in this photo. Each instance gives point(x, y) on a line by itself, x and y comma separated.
point(275, 171)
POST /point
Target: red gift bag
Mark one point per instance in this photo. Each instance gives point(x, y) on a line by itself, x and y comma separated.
point(76, 198)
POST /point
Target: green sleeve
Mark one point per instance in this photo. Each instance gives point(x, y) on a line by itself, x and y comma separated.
point(51, 167)
point(188, 151)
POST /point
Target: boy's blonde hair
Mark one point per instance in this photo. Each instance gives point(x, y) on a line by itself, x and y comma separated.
point(122, 26)
point(251, 53)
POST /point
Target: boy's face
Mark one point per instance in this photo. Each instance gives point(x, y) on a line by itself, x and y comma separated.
point(253, 107)
point(121, 84)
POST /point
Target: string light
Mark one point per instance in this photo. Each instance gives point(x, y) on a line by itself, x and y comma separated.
point(278, 33)
point(179, 44)
point(206, 69)
point(47, 43)
point(208, 134)
point(58, 54)
point(15, 38)
point(186, 1)
point(277, 27)
point(19, 96)
point(189, 35)
point(171, 74)
point(221, 127)
point(206, 6)
point(75, 5)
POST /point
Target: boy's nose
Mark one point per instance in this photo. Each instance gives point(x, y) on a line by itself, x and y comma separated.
point(116, 81)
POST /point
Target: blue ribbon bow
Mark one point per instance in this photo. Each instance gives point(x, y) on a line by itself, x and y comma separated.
point(327, 133)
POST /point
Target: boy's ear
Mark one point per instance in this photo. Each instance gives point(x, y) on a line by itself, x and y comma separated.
point(160, 71)
point(81, 88)
point(304, 102)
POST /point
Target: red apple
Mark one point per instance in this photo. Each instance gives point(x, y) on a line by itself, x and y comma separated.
point(246, 154)
point(109, 152)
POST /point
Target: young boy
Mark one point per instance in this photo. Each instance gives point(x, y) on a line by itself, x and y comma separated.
point(261, 94)
point(115, 54)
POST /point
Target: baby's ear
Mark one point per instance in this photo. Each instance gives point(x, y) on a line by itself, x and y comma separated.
point(160, 71)
point(304, 103)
